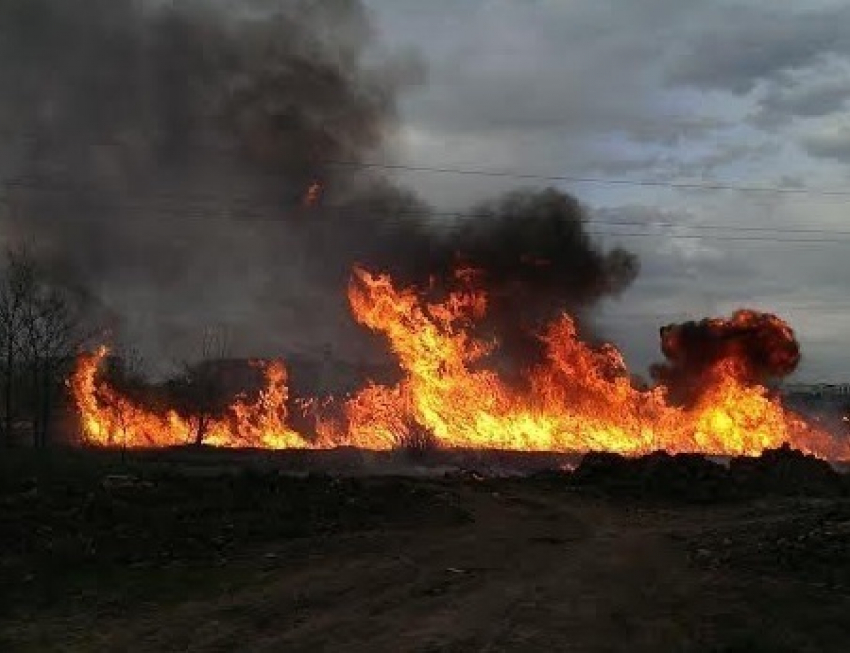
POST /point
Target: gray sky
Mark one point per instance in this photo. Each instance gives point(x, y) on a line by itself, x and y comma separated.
point(746, 93)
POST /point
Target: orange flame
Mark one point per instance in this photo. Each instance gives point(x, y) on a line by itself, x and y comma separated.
point(313, 195)
point(109, 419)
point(579, 398)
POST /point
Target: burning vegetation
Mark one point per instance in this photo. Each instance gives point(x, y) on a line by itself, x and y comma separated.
point(577, 398)
point(483, 314)
point(208, 166)
point(756, 348)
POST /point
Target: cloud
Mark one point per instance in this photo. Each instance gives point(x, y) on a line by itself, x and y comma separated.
point(750, 93)
point(555, 84)
point(829, 140)
point(551, 82)
point(653, 88)
point(692, 278)
point(735, 49)
point(744, 93)
point(809, 95)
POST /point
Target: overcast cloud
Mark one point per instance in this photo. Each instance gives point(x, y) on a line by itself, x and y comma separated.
point(747, 93)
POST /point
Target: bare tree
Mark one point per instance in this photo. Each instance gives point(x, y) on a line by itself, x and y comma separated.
point(52, 335)
point(17, 289)
point(126, 373)
point(200, 390)
point(40, 329)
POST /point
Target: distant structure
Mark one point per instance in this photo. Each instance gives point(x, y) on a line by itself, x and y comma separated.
point(827, 404)
point(825, 391)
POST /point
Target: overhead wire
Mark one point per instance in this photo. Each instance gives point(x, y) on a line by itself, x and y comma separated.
point(243, 208)
point(22, 180)
point(246, 207)
point(581, 179)
point(245, 211)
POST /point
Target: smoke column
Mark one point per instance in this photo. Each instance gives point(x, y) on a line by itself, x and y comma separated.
point(158, 154)
point(755, 346)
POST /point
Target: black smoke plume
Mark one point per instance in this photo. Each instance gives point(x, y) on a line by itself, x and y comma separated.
point(536, 260)
point(754, 347)
point(159, 154)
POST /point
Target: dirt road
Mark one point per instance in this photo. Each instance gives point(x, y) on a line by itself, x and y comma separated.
point(265, 562)
point(530, 568)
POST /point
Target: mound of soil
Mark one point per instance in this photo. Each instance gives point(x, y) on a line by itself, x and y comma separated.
point(694, 478)
point(787, 472)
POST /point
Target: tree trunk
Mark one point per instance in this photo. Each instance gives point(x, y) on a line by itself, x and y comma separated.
point(8, 418)
point(46, 398)
point(202, 430)
point(36, 406)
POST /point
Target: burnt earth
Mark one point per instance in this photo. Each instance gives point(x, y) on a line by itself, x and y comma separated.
point(809, 542)
point(788, 472)
point(693, 478)
point(210, 552)
point(683, 477)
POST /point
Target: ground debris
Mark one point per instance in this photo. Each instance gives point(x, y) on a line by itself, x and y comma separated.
point(787, 472)
point(124, 482)
point(386, 563)
point(811, 542)
point(695, 478)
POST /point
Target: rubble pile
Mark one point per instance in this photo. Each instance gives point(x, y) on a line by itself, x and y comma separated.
point(694, 478)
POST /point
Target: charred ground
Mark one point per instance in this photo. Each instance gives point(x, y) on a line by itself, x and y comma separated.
point(211, 550)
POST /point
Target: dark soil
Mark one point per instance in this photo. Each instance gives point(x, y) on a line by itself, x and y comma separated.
point(223, 551)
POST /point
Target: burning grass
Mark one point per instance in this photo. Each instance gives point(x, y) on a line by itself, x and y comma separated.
point(577, 398)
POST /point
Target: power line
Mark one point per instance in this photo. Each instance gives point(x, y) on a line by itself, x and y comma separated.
point(250, 208)
point(642, 223)
point(758, 305)
point(180, 214)
point(247, 209)
point(609, 181)
point(749, 239)
point(579, 179)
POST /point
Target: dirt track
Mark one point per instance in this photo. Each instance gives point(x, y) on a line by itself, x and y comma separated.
point(507, 565)
point(528, 575)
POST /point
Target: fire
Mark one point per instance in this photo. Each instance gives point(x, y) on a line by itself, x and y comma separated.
point(313, 195)
point(579, 398)
point(109, 419)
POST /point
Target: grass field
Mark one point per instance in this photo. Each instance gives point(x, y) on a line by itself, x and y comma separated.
point(222, 551)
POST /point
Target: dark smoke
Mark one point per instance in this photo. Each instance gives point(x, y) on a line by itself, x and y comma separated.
point(536, 260)
point(756, 347)
point(158, 154)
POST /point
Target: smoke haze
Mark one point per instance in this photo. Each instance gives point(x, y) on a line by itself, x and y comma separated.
point(158, 154)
